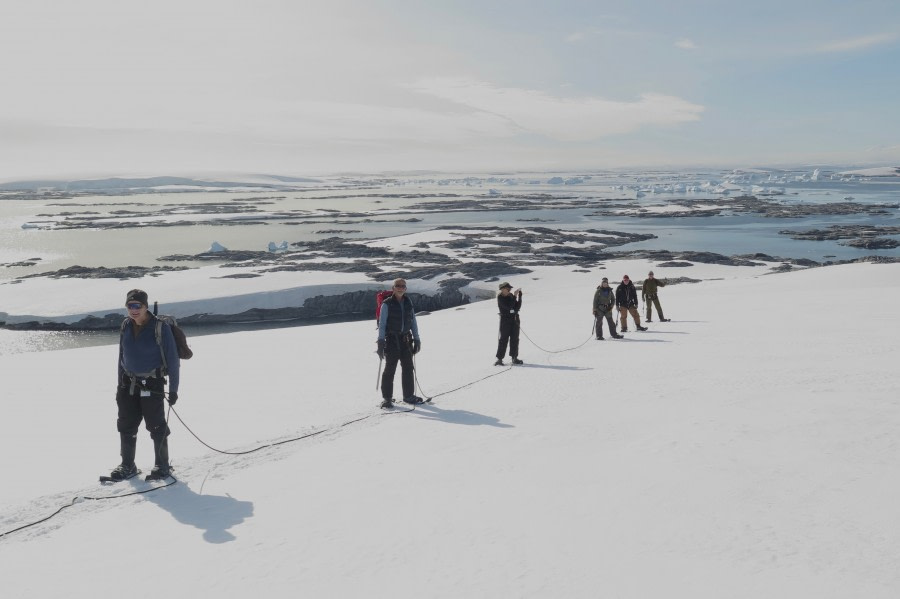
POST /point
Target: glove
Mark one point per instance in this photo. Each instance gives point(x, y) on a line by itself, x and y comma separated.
point(173, 397)
point(417, 345)
point(596, 312)
point(380, 349)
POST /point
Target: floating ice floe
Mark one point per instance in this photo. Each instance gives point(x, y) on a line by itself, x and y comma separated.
point(278, 248)
point(217, 247)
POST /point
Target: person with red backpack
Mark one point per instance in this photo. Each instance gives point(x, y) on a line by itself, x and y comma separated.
point(398, 341)
point(143, 366)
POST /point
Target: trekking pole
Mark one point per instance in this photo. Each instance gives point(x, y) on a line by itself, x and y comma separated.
point(378, 378)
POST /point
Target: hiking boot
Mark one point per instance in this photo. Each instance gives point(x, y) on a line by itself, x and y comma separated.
point(387, 403)
point(665, 319)
point(624, 331)
point(159, 472)
point(649, 320)
point(499, 362)
point(642, 328)
point(517, 361)
point(599, 337)
point(618, 337)
point(123, 471)
point(413, 399)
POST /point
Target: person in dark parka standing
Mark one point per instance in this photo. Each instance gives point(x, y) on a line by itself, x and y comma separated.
point(509, 304)
point(604, 302)
point(627, 302)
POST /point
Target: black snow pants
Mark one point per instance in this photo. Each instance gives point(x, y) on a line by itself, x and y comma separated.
point(144, 402)
point(397, 349)
point(509, 334)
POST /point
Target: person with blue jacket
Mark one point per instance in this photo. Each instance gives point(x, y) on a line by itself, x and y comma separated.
point(398, 341)
point(147, 355)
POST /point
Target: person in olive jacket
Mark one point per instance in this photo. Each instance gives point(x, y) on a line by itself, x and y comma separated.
point(627, 302)
point(651, 298)
point(604, 302)
point(509, 304)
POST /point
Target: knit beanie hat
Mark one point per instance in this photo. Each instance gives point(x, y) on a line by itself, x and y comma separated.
point(136, 295)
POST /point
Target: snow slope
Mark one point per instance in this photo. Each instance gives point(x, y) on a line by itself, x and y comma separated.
point(748, 448)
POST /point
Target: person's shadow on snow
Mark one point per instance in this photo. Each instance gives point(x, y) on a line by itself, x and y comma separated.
point(432, 412)
point(215, 515)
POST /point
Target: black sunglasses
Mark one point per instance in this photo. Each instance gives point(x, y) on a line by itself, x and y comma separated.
point(134, 306)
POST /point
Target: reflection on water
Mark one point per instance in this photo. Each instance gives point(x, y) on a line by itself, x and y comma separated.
point(17, 342)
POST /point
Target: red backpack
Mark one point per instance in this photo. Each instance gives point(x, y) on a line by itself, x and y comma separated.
point(379, 299)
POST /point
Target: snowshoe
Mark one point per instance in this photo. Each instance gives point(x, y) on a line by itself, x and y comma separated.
point(413, 400)
point(159, 473)
point(387, 403)
point(120, 473)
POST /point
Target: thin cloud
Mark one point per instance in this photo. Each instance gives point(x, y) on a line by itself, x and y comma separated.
point(859, 43)
point(563, 119)
point(686, 44)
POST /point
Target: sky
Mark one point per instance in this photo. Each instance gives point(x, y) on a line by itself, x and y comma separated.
point(736, 451)
point(101, 87)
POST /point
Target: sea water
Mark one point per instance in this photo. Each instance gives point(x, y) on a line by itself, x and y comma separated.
point(376, 210)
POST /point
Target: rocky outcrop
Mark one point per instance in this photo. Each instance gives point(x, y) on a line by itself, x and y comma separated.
point(877, 243)
point(867, 237)
point(683, 256)
point(101, 272)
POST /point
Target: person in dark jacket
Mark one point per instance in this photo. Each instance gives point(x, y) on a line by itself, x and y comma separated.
point(627, 302)
point(604, 302)
point(142, 380)
point(398, 341)
point(509, 303)
point(651, 297)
